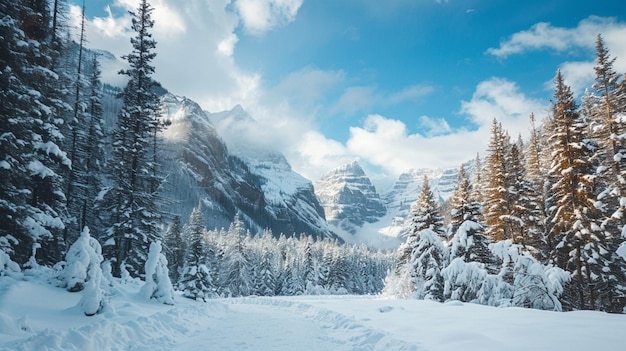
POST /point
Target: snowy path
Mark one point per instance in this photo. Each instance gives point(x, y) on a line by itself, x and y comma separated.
point(37, 316)
point(281, 324)
point(260, 328)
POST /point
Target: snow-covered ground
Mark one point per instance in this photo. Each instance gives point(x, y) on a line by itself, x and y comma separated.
point(38, 316)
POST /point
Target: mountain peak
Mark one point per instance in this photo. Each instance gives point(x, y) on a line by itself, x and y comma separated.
point(349, 198)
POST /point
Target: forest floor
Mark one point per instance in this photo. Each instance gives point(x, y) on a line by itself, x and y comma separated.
point(35, 315)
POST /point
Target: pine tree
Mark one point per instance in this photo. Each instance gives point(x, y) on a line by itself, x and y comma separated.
point(495, 187)
point(535, 178)
point(175, 249)
point(132, 201)
point(425, 211)
point(236, 268)
point(577, 237)
point(94, 150)
point(32, 203)
point(195, 279)
point(158, 285)
point(428, 258)
point(608, 102)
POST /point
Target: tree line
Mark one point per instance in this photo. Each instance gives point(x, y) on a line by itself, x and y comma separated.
point(541, 223)
point(61, 171)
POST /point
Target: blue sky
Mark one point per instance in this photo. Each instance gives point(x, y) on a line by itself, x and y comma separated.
point(396, 84)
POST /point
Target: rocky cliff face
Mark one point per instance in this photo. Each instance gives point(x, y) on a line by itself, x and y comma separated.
point(200, 168)
point(349, 198)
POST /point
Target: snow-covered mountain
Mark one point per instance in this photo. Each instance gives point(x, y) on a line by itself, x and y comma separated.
point(200, 168)
point(351, 202)
point(349, 198)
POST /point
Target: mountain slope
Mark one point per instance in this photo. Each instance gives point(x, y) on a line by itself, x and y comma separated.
point(264, 189)
point(349, 198)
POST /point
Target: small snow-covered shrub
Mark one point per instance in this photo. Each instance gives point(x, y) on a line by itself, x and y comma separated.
point(82, 255)
point(7, 266)
point(158, 285)
point(463, 280)
point(83, 272)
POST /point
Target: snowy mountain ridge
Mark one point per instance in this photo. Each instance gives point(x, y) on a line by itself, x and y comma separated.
point(383, 228)
point(200, 168)
point(349, 199)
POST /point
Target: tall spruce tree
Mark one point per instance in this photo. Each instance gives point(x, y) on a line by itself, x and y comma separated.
point(576, 235)
point(608, 102)
point(494, 185)
point(32, 202)
point(132, 200)
point(195, 279)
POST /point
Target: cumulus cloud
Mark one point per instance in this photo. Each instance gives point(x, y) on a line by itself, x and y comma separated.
point(259, 16)
point(544, 36)
point(357, 99)
point(434, 126)
point(387, 143)
point(502, 99)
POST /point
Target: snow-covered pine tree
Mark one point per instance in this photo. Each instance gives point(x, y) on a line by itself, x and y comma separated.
point(606, 109)
point(424, 215)
point(578, 238)
point(422, 258)
point(428, 258)
point(32, 204)
point(460, 209)
point(195, 279)
point(83, 271)
point(132, 201)
point(535, 177)
point(494, 184)
point(94, 150)
point(607, 103)
point(175, 249)
point(265, 284)
point(236, 269)
point(425, 212)
point(158, 285)
point(75, 129)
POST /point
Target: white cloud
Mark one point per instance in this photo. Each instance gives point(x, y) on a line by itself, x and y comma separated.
point(578, 74)
point(501, 99)
point(259, 16)
point(434, 126)
point(363, 98)
point(227, 46)
point(386, 143)
point(544, 36)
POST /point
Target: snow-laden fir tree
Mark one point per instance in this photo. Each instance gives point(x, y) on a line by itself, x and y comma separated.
point(157, 285)
point(84, 272)
point(495, 190)
point(82, 256)
point(428, 258)
point(424, 215)
point(606, 109)
point(535, 178)
point(132, 199)
point(236, 270)
point(195, 279)
point(32, 203)
point(175, 249)
point(579, 241)
point(265, 283)
point(423, 256)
